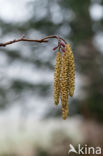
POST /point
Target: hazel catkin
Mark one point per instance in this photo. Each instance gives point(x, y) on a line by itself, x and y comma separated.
point(71, 70)
point(57, 78)
point(64, 85)
point(64, 78)
point(65, 111)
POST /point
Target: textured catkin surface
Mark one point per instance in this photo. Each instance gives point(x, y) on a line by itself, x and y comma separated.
point(64, 85)
point(64, 82)
point(57, 78)
point(65, 111)
point(64, 78)
point(71, 70)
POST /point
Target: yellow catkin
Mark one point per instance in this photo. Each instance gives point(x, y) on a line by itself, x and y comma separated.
point(64, 79)
point(71, 70)
point(64, 85)
point(57, 78)
point(64, 111)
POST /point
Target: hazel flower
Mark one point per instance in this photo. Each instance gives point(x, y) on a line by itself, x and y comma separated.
point(71, 70)
point(64, 77)
point(64, 80)
point(65, 111)
point(57, 78)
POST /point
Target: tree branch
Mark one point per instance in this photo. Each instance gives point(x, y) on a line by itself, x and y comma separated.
point(45, 39)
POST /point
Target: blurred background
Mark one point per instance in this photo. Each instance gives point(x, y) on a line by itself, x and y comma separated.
point(30, 123)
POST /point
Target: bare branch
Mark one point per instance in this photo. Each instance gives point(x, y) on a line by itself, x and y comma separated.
point(45, 39)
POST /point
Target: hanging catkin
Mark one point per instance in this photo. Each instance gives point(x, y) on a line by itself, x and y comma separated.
point(65, 111)
point(64, 85)
point(71, 70)
point(57, 78)
point(64, 77)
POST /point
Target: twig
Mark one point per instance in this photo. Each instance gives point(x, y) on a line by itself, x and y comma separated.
point(45, 39)
point(21, 39)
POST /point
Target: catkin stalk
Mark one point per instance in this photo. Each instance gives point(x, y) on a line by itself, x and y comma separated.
point(57, 78)
point(71, 70)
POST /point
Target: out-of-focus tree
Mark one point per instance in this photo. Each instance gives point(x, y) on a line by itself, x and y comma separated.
point(88, 57)
point(72, 20)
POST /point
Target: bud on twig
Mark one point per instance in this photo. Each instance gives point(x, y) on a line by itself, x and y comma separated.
point(61, 43)
point(55, 48)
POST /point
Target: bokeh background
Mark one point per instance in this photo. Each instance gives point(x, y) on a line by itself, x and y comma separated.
point(30, 123)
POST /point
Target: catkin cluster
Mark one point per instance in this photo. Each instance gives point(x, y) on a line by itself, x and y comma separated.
point(64, 78)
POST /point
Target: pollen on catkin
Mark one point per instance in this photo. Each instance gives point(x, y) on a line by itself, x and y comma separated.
point(64, 77)
point(71, 70)
point(57, 78)
point(64, 81)
point(65, 111)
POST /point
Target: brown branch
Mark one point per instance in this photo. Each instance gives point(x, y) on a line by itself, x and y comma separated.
point(45, 39)
point(21, 39)
point(54, 36)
